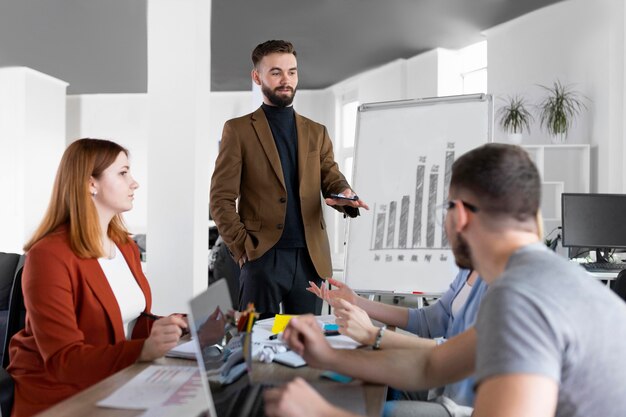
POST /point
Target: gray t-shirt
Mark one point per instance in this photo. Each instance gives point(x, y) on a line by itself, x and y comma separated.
point(547, 316)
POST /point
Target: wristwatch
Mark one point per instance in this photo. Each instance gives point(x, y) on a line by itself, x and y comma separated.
point(379, 338)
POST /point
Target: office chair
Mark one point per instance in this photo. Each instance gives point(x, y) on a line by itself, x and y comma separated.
point(8, 266)
point(222, 265)
point(619, 285)
point(15, 322)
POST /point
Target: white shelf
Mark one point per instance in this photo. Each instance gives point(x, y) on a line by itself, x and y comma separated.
point(564, 169)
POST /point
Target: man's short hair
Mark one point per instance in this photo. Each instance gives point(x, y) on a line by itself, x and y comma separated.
point(502, 177)
point(270, 47)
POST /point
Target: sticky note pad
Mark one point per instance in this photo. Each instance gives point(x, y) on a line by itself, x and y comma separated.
point(331, 327)
point(280, 322)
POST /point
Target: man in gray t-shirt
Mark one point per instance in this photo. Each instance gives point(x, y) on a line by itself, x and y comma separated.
point(546, 316)
point(549, 340)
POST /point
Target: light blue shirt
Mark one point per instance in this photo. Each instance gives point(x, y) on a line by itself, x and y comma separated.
point(437, 320)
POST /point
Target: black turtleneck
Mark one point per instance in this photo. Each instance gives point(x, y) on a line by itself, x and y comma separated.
point(282, 123)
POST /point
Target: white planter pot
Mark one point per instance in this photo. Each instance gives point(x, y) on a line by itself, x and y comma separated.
point(514, 138)
point(558, 138)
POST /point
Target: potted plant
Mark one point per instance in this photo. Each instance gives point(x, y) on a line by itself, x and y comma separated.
point(559, 109)
point(514, 118)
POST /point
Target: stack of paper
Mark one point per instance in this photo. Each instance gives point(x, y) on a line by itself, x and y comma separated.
point(159, 386)
point(185, 350)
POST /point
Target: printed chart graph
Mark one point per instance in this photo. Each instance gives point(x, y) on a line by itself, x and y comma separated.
point(404, 154)
point(391, 229)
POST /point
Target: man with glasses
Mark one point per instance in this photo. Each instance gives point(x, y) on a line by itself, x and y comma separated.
point(549, 339)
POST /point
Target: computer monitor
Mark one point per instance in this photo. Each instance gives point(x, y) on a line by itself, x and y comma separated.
point(596, 221)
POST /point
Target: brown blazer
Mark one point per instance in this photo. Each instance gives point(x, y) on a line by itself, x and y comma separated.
point(248, 168)
point(74, 335)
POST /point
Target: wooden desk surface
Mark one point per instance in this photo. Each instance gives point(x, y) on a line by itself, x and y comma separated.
point(84, 403)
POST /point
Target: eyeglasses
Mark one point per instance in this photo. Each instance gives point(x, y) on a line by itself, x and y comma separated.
point(442, 210)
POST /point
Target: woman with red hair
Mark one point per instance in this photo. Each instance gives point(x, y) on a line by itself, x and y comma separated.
point(86, 297)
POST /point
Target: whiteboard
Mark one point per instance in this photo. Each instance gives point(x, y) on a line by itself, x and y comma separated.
point(403, 158)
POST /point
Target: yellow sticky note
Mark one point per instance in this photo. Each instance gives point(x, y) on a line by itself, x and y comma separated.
point(280, 322)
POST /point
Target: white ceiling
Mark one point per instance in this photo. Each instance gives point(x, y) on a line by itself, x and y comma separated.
point(100, 46)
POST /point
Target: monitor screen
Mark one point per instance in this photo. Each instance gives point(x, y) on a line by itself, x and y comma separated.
point(594, 220)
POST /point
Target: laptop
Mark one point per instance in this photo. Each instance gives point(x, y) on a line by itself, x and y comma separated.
point(227, 386)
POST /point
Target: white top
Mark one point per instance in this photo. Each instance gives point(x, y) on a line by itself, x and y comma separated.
point(127, 292)
point(461, 298)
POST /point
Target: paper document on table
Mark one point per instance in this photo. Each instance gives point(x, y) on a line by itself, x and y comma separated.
point(185, 350)
point(194, 407)
point(157, 385)
point(263, 330)
point(342, 342)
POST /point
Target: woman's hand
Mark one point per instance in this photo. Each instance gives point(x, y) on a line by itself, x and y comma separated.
point(353, 321)
point(164, 335)
point(341, 291)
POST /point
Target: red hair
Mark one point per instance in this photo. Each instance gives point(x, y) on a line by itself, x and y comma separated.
point(71, 203)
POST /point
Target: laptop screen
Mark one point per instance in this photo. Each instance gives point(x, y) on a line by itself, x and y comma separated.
point(223, 356)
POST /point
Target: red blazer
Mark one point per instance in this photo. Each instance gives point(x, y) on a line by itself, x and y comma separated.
point(74, 335)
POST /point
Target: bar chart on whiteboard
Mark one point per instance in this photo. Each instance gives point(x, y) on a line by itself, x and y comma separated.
point(403, 165)
point(412, 221)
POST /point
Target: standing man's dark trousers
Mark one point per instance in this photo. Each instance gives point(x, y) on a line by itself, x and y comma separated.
point(280, 275)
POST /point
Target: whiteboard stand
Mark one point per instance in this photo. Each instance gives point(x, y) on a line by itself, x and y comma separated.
point(403, 157)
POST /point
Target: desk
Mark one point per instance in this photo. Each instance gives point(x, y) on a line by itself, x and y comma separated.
point(420, 297)
point(84, 403)
point(604, 276)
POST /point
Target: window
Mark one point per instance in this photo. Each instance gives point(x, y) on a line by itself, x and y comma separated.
point(347, 110)
point(348, 124)
point(473, 68)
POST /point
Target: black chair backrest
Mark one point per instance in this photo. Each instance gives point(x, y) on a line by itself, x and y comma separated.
point(619, 285)
point(8, 265)
point(17, 311)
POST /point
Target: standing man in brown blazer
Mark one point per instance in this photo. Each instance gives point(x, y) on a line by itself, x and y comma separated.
point(276, 162)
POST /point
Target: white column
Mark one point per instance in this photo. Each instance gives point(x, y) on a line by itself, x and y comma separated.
point(32, 140)
point(178, 150)
point(615, 87)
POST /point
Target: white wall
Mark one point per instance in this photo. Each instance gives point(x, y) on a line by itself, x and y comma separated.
point(384, 83)
point(32, 140)
point(421, 75)
point(122, 118)
point(579, 42)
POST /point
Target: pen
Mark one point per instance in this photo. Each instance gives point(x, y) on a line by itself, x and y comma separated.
point(149, 315)
point(185, 331)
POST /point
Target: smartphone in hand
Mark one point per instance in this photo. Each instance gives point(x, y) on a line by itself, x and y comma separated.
point(343, 197)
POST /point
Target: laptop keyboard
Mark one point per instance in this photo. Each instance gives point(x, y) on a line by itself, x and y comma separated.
point(250, 401)
point(604, 266)
point(239, 399)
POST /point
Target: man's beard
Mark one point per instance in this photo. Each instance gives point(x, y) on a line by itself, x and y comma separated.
point(278, 100)
point(462, 253)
